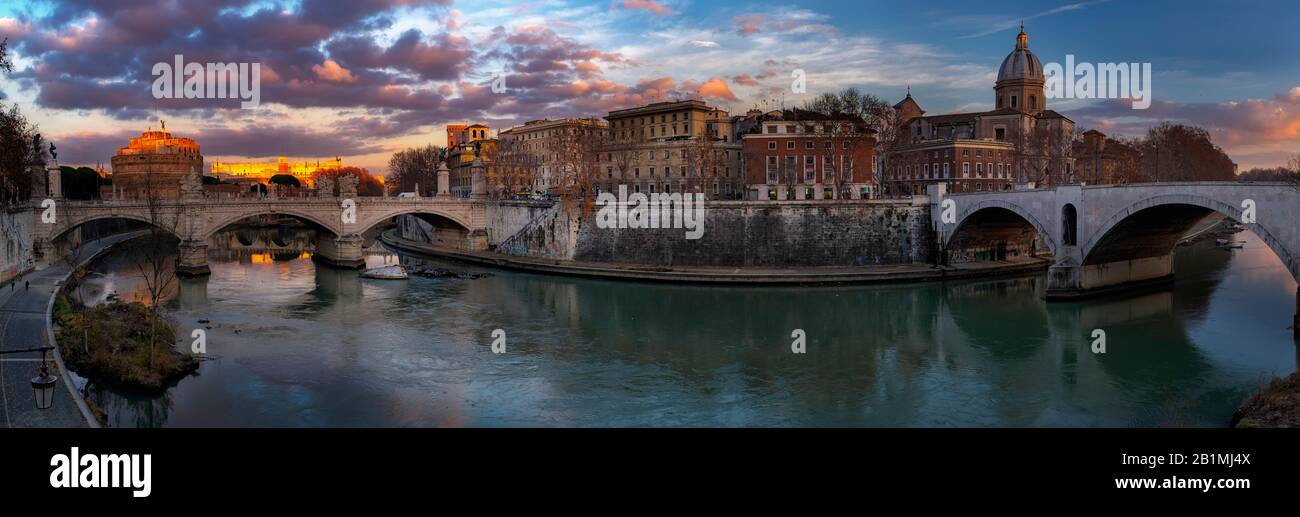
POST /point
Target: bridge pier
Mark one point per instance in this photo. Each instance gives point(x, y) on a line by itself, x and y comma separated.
point(343, 252)
point(1066, 281)
point(192, 261)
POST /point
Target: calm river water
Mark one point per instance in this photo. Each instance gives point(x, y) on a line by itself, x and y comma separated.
point(295, 344)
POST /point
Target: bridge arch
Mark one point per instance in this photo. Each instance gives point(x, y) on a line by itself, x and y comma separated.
point(429, 215)
point(991, 207)
point(74, 223)
point(1112, 239)
point(226, 221)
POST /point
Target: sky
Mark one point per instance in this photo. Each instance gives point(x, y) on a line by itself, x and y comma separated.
point(362, 79)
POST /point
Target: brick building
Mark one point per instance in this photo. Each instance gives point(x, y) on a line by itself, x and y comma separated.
point(1020, 143)
point(465, 142)
point(1102, 160)
point(805, 155)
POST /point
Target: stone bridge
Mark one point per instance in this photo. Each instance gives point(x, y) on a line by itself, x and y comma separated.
point(1112, 237)
point(458, 222)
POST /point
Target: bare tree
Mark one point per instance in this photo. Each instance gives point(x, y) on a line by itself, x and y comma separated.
point(154, 257)
point(512, 167)
point(704, 159)
point(576, 150)
point(414, 167)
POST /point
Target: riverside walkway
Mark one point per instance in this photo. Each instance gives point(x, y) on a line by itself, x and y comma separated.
point(23, 325)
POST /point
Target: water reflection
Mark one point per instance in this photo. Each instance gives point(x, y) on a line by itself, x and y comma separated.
point(301, 345)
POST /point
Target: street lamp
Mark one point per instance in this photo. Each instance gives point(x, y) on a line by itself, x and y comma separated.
point(43, 384)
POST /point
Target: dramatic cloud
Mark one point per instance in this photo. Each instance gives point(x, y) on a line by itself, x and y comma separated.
point(331, 71)
point(714, 88)
point(1255, 132)
point(255, 141)
point(748, 24)
point(648, 5)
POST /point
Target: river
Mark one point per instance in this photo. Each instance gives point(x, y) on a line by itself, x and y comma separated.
point(296, 344)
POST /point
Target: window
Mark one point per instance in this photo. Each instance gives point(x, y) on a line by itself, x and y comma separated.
point(1033, 102)
point(636, 173)
point(1013, 101)
point(927, 170)
point(829, 145)
point(1000, 133)
point(979, 170)
point(771, 146)
point(771, 129)
point(789, 145)
point(808, 144)
point(652, 172)
point(945, 169)
point(965, 169)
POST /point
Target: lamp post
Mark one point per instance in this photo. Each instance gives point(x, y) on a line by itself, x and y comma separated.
point(43, 384)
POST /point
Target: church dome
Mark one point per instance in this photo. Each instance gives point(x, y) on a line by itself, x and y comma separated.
point(1021, 63)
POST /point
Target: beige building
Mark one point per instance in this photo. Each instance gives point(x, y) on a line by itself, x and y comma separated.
point(533, 158)
point(681, 146)
point(152, 165)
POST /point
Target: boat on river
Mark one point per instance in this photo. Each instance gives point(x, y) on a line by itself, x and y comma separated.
point(395, 272)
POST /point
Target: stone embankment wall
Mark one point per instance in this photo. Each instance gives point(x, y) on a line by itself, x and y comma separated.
point(16, 250)
point(756, 234)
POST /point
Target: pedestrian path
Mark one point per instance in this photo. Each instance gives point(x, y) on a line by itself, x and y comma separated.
point(22, 326)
